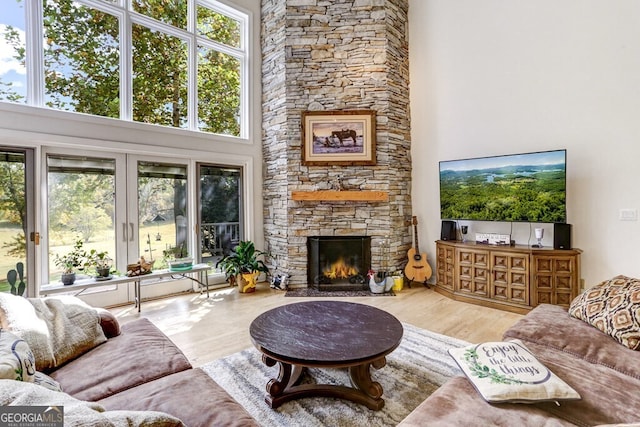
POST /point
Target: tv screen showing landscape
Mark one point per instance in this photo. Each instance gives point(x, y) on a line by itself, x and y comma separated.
point(528, 187)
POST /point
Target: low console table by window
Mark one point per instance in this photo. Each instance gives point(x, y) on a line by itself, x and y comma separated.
point(514, 278)
point(81, 285)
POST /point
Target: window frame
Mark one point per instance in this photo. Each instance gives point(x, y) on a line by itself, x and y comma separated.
point(123, 11)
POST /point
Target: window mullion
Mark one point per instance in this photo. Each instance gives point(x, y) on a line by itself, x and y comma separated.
point(126, 69)
point(155, 25)
point(192, 73)
point(245, 77)
point(227, 50)
point(35, 54)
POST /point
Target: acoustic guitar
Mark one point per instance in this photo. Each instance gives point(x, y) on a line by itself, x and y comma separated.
point(417, 269)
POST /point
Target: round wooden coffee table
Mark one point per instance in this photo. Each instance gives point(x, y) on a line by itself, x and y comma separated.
point(325, 334)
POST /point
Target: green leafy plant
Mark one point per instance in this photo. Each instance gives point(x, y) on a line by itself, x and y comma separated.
point(75, 260)
point(175, 252)
point(100, 260)
point(243, 259)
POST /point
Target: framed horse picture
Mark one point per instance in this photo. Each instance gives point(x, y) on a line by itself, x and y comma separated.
point(339, 138)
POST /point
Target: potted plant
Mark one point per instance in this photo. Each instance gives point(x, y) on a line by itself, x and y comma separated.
point(177, 257)
point(243, 265)
point(72, 261)
point(102, 262)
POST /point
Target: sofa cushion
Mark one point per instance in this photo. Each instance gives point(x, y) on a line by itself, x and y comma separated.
point(141, 353)
point(457, 403)
point(77, 412)
point(57, 329)
point(508, 372)
point(608, 395)
point(190, 395)
point(594, 364)
point(16, 359)
point(612, 306)
point(552, 327)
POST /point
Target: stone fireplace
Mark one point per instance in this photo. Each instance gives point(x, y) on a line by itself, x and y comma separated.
point(323, 56)
point(338, 262)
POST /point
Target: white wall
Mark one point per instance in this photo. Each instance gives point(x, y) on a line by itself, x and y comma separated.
point(498, 77)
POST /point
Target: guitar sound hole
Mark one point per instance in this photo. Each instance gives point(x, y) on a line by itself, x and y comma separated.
point(417, 257)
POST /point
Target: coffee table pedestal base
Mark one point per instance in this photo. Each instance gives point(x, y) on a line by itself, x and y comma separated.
point(286, 387)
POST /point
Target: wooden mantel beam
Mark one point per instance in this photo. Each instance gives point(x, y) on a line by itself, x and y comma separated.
point(333, 195)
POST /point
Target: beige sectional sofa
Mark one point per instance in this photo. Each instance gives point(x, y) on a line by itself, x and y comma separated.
point(141, 369)
point(114, 375)
point(605, 373)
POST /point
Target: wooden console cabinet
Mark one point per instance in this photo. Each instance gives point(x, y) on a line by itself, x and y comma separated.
point(514, 278)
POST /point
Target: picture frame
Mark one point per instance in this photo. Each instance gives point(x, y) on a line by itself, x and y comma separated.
point(344, 138)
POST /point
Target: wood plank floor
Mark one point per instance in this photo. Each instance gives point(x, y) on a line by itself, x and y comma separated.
point(206, 329)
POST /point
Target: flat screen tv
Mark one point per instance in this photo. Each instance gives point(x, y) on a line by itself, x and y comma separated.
point(529, 187)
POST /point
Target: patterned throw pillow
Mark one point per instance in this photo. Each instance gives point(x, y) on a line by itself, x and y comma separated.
point(507, 372)
point(613, 307)
point(16, 359)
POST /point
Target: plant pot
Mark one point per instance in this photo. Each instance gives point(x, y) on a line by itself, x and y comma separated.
point(103, 272)
point(247, 283)
point(180, 264)
point(68, 278)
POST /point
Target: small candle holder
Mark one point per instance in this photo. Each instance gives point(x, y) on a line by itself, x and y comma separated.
point(539, 235)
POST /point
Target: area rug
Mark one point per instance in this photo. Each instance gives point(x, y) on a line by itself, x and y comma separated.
point(313, 292)
point(413, 371)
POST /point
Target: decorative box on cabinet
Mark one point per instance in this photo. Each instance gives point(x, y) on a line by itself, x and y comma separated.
point(514, 278)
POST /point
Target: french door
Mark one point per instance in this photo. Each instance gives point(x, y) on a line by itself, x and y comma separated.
point(221, 213)
point(127, 205)
point(17, 223)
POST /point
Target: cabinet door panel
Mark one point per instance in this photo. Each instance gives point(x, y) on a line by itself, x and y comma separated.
point(473, 272)
point(510, 274)
point(445, 269)
point(555, 279)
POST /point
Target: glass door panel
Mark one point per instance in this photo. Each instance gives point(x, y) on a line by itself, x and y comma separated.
point(162, 211)
point(85, 205)
point(81, 207)
point(16, 222)
point(221, 227)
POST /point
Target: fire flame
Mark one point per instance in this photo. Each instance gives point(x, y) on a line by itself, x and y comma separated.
point(340, 270)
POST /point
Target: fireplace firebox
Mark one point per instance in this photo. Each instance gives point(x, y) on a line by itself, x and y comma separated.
point(338, 262)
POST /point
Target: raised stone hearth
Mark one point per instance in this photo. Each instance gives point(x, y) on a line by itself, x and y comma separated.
point(335, 55)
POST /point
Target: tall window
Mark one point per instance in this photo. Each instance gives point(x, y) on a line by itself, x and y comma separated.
point(13, 73)
point(179, 63)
